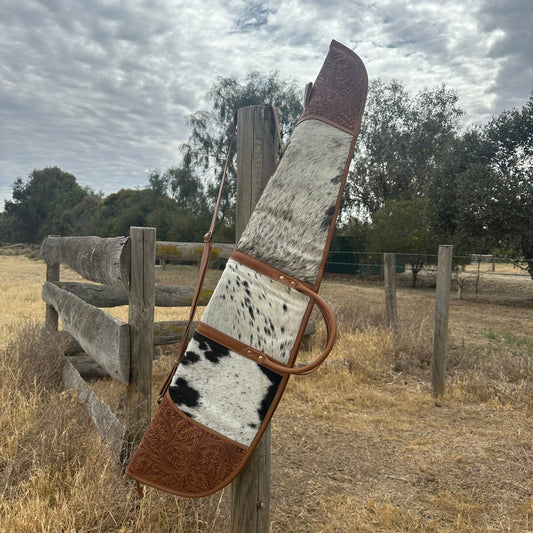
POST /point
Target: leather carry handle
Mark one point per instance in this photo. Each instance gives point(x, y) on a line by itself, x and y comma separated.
point(331, 329)
point(305, 288)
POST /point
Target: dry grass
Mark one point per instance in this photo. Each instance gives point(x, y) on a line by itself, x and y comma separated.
point(357, 447)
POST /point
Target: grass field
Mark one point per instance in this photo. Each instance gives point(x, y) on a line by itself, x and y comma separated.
point(357, 446)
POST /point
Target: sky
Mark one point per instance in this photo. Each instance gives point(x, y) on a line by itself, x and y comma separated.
point(103, 88)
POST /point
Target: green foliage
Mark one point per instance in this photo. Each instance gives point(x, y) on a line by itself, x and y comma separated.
point(123, 209)
point(404, 226)
point(482, 190)
point(400, 144)
point(48, 202)
point(457, 216)
point(180, 209)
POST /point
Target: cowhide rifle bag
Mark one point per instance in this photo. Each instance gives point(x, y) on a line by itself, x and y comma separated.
point(221, 396)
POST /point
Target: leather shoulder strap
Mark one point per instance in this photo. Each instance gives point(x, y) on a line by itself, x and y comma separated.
point(208, 245)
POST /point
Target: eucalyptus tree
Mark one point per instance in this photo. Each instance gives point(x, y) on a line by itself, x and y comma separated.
point(211, 129)
point(401, 140)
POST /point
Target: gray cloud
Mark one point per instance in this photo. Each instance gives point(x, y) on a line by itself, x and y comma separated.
point(102, 89)
point(511, 23)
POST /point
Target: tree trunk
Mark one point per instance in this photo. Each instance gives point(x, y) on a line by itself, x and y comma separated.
point(526, 242)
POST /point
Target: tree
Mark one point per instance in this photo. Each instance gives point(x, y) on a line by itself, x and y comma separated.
point(181, 184)
point(180, 211)
point(400, 144)
point(205, 150)
point(483, 189)
point(124, 209)
point(404, 227)
point(457, 217)
point(510, 204)
point(42, 205)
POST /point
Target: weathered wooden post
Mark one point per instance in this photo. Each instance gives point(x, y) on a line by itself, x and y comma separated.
point(391, 312)
point(256, 160)
point(51, 320)
point(141, 322)
point(440, 338)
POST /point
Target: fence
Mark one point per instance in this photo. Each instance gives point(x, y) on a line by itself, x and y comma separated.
point(123, 271)
point(367, 264)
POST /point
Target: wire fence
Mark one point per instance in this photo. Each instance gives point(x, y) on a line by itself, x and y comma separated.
point(366, 264)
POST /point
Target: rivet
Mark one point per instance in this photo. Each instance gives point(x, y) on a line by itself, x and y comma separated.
point(260, 357)
point(282, 277)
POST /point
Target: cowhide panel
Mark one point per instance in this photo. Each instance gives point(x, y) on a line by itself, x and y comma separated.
point(288, 229)
point(289, 226)
point(256, 310)
point(223, 390)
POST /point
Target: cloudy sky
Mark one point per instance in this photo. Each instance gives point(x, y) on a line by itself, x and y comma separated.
point(102, 88)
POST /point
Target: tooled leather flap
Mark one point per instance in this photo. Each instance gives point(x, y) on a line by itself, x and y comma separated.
point(182, 457)
point(339, 93)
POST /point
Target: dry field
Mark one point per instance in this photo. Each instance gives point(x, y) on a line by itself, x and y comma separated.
point(359, 446)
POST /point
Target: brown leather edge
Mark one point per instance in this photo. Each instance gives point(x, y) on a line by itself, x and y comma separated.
point(331, 231)
point(234, 345)
point(327, 121)
point(269, 362)
point(264, 268)
point(132, 470)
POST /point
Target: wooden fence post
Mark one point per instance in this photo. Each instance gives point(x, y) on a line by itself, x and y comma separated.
point(51, 319)
point(141, 322)
point(391, 312)
point(440, 338)
point(256, 160)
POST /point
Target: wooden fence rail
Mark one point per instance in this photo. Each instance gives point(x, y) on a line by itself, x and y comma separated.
point(105, 338)
point(105, 261)
point(122, 350)
point(122, 270)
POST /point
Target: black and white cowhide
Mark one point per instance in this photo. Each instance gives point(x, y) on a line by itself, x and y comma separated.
point(290, 223)
point(223, 390)
point(217, 387)
point(256, 310)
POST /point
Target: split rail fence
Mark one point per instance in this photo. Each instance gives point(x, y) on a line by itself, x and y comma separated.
point(122, 270)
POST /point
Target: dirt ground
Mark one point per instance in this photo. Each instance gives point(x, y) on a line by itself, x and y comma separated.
point(434, 462)
point(389, 449)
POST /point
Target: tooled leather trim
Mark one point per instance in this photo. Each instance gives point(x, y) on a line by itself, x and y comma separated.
point(339, 93)
point(185, 458)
